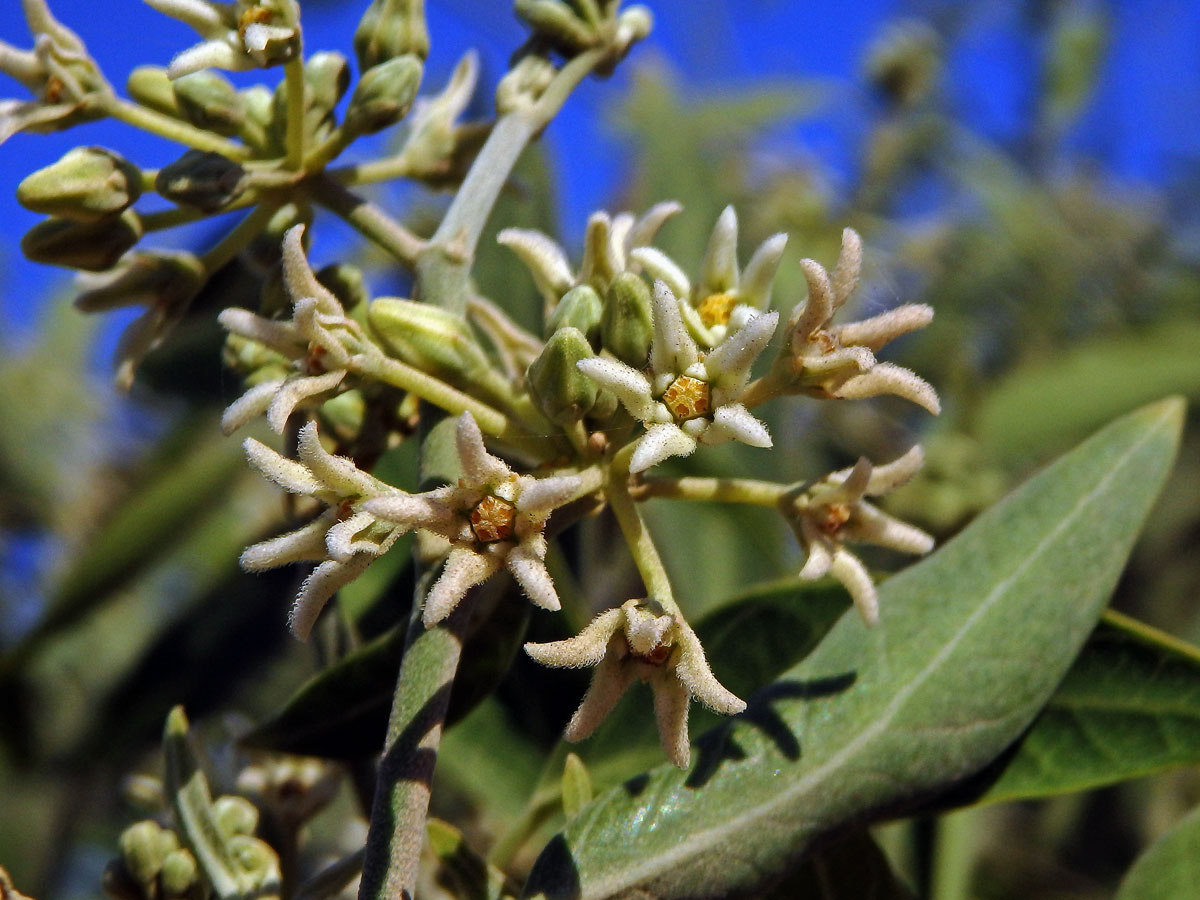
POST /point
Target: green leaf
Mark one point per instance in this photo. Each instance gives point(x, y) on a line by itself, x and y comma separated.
point(1129, 706)
point(1170, 869)
point(1090, 383)
point(971, 644)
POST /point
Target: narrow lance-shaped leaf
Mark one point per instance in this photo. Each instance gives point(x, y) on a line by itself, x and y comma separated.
point(971, 644)
point(1170, 869)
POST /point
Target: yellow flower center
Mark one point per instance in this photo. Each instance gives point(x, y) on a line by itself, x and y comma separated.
point(833, 517)
point(715, 309)
point(687, 398)
point(492, 519)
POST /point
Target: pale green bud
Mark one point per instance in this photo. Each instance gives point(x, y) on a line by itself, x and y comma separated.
point(87, 184)
point(209, 101)
point(626, 329)
point(151, 87)
point(257, 859)
point(346, 283)
point(255, 361)
point(144, 846)
point(235, 815)
point(179, 872)
point(557, 23)
point(383, 95)
point(164, 278)
point(259, 103)
point(208, 181)
point(580, 307)
point(391, 28)
point(326, 79)
point(427, 337)
point(905, 61)
point(92, 246)
point(561, 391)
point(524, 83)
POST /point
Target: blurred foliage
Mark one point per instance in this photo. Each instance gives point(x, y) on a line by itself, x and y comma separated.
point(1063, 298)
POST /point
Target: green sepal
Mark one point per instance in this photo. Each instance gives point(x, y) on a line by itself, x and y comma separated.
point(86, 185)
point(626, 328)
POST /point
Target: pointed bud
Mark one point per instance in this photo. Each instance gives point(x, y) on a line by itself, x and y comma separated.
point(179, 873)
point(383, 95)
point(580, 307)
point(87, 184)
point(391, 28)
point(207, 181)
point(626, 329)
point(426, 336)
point(557, 23)
point(209, 101)
point(561, 391)
point(92, 246)
point(151, 87)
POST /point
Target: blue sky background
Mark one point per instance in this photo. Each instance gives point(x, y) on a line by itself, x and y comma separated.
point(1144, 123)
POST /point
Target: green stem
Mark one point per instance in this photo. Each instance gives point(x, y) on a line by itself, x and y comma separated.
point(637, 535)
point(388, 168)
point(173, 129)
point(293, 75)
point(242, 234)
point(370, 220)
point(328, 150)
point(717, 490)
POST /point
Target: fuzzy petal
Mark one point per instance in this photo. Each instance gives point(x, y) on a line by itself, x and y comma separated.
point(878, 330)
point(325, 581)
point(728, 366)
point(464, 569)
point(631, 386)
point(886, 478)
point(305, 544)
point(671, 703)
point(293, 477)
point(543, 257)
point(672, 349)
point(886, 378)
point(479, 467)
point(818, 309)
point(347, 538)
point(754, 288)
point(733, 422)
point(250, 405)
point(719, 269)
point(872, 526)
point(585, 649)
point(282, 337)
point(647, 227)
point(698, 678)
point(658, 443)
point(299, 278)
point(337, 473)
point(429, 510)
point(610, 680)
point(661, 267)
point(845, 273)
point(847, 569)
point(526, 561)
point(295, 391)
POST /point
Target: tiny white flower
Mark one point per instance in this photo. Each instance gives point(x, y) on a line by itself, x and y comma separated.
point(834, 510)
point(640, 641)
point(241, 35)
point(826, 360)
point(689, 398)
point(493, 518)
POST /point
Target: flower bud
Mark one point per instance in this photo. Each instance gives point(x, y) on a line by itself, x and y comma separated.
point(346, 283)
point(558, 23)
point(626, 328)
point(383, 95)
point(257, 859)
point(258, 101)
point(92, 246)
point(524, 83)
point(144, 847)
point(427, 337)
point(209, 101)
point(580, 307)
point(179, 872)
point(561, 391)
point(207, 181)
point(391, 28)
point(162, 278)
point(87, 184)
point(235, 815)
point(150, 86)
point(326, 78)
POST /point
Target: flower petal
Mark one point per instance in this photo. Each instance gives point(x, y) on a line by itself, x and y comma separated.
point(698, 678)
point(295, 391)
point(845, 273)
point(878, 330)
point(429, 510)
point(886, 378)
point(337, 473)
point(631, 386)
point(728, 366)
point(661, 267)
point(539, 497)
point(299, 278)
point(847, 569)
point(754, 288)
point(526, 561)
point(719, 268)
point(250, 405)
point(288, 474)
point(646, 227)
point(671, 703)
point(672, 349)
point(479, 467)
point(658, 443)
point(305, 544)
point(543, 257)
point(585, 649)
point(465, 568)
point(733, 422)
point(325, 581)
point(609, 681)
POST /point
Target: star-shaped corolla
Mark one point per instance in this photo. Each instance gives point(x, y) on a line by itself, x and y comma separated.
point(834, 510)
point(241, 35)
point(493, 518)
point(344, 539)
point(319, 341)
point(689, 398)
point(640, 641)
point(725, 298)
point(609, 249)
point(826, 360)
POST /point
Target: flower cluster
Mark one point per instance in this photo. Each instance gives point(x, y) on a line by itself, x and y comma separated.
point(244, 34)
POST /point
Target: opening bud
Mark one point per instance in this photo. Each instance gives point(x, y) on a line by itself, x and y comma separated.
point(427, 337)
point(87, 184)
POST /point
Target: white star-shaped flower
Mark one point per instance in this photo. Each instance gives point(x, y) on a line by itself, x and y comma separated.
point(833, 510)
point(689, 398)
point(640, 641)
point(241, 35)
point(319, 340)
point(492, 518)
point(725, 298)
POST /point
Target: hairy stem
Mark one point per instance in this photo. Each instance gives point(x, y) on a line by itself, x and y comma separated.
point(637, 535)
point(717, 490)
point(370, 220)
point(173, 129)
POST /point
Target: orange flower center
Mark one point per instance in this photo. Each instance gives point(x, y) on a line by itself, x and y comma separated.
point(833, 517)
point(687, 398)
point(715, 309)
point(492, 519)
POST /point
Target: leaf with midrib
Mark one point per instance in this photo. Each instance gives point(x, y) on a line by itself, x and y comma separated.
point(971, 644)
point(1170, 869)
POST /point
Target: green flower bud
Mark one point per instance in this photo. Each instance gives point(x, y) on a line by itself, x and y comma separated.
point(391, 28)
point(87, 184)
point(235, 815)
point(209, 101)
point(346, 283)
point(257, 859)
point(207, 181)
point(179, 873)
point(258, 101)
point(524, 83)
point(558, 23)
point(144, 846)
point(427, 337)
point(383, 95)
point(626, 328)
point(580, 307)
point(92, 246)
point(560, 390)
point(326, 79)
point(150, 86)
point(161, 278)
